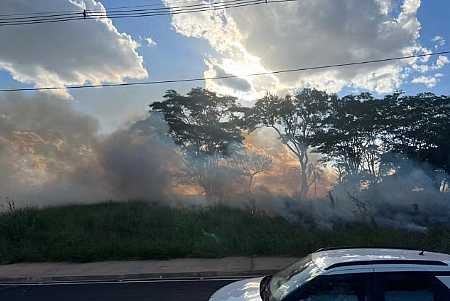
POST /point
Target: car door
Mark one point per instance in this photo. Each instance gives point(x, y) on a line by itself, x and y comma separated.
point(410, 286)
point(340, 287)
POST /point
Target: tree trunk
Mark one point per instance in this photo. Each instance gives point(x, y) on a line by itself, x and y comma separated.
point(252, 201)
point(304, 187)
point(303, 159)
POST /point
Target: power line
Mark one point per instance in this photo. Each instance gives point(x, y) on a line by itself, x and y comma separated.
point(145, 13)
point(135, 13)
point(94, 13)
point(228, 76)
point(153, 4)
point(110, 9)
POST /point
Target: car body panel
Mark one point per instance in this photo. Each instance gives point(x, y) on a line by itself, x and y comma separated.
point(249, 289)
point(244, 290)
point(409, 268)
point(325, 259)
point(445, 280)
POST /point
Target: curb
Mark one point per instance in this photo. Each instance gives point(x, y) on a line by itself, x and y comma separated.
point(207, 275)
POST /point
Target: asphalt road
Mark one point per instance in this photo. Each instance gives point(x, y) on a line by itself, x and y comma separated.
point(173, 290)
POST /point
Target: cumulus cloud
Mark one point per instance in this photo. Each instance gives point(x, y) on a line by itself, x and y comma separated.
point(67, 53)
point(225, 86)
point(150, 42)
point(427, 66)
point(438, 41)
point(311, 33)
point(429, 81)
point(441, 61)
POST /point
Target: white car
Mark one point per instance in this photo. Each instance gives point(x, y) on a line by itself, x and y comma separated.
point(351, 274)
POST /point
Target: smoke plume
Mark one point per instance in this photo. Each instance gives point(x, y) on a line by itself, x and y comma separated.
point(52, 154)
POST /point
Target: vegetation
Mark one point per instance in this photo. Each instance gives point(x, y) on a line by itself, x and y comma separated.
point(363, 137)
point(392, 157)
point(358, 134)
point(201, 123)
point(140, 230)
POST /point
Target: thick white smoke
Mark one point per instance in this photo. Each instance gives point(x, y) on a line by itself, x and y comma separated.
point(52, 154)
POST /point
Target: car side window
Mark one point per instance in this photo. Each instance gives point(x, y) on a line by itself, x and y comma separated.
point(350, 287)
point(408, 286)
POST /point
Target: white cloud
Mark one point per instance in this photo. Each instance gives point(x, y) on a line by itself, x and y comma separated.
point(429, 81)
point(239, 84)
point(385, 6)
point(438, 41)
point(311, 33)
point(441, 62)
point(410, 7)
point(150, 42)
point(67, 53)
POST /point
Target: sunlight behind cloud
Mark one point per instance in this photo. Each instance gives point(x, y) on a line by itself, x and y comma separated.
point(305, 34)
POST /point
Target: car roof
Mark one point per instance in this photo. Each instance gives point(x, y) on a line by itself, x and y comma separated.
point(351, 257)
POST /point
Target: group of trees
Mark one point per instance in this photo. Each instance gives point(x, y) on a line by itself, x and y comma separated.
point(364, 138)
point(208, 128)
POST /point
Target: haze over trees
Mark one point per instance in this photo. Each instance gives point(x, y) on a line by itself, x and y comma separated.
point(367, 141)
point(297, 120)
point(205, 126)
point(388, 158)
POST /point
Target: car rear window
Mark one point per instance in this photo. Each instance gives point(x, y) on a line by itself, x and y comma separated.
point(411, 286)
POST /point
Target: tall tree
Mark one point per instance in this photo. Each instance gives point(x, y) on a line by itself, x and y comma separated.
point(202, 122)
point(418, 128)
point(350, 138)
point(206, 126)
point(297, 120)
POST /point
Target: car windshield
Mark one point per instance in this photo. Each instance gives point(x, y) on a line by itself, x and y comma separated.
point(286, 281)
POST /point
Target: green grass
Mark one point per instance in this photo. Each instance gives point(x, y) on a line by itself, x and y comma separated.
point(140, 230)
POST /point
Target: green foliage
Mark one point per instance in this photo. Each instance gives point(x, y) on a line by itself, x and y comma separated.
point(202, 122)
point(363, 137)
point(418, 127)
point(297, 119)
point(139, 230)
point(351, 135)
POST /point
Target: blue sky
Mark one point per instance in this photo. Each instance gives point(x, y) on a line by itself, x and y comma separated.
point(434, 16)
point(187, 52)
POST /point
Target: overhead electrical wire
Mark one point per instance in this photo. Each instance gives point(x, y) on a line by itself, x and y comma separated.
point(134, 9)
point(184, 80)
point(145, 13)
point(158, 4)
point(109, 9)
point(133, 13)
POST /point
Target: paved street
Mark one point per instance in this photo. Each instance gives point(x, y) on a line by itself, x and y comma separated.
point(100, 281)
point(142, 269)
point(192, 290)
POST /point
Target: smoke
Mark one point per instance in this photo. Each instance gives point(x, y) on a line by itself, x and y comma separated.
point(411, 197)
point(51, 154)
point(137, 162)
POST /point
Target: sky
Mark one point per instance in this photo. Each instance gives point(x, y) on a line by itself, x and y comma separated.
point(236, 41)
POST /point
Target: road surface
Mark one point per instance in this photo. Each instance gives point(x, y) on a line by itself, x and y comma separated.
point(151, 290)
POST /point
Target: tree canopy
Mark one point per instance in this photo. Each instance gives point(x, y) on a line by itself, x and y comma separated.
point(202, 122)
point(297, 120)
point(363, 137)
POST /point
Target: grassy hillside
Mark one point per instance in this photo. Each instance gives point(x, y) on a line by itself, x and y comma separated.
point(138, 230)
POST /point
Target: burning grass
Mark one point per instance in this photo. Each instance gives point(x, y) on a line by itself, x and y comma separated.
point(140, 230)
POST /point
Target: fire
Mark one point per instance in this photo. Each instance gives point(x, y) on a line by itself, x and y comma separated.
point(40, 157)
point(283, 178)
point(188, 190)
